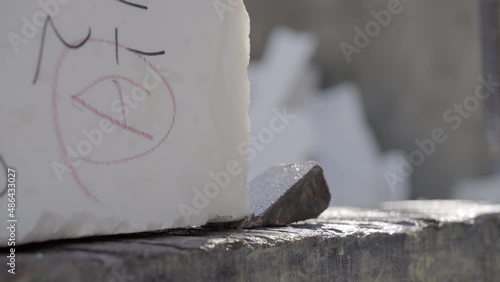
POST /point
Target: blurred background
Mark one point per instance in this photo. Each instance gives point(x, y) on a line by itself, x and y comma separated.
point(374, 91)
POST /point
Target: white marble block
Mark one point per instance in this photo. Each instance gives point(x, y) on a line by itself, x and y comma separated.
point(122, 116)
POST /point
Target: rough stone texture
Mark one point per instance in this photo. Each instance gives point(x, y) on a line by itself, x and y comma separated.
point(405, 241)
point(285, 194)
point(420, 65)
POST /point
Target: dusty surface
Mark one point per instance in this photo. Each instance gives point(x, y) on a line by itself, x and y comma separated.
point(410, 241)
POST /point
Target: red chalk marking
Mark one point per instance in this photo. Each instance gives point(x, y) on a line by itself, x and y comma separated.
point(76, 98)
point(112, 120)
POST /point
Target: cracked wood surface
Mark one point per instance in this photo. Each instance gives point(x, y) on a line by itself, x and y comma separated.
point(401, 241)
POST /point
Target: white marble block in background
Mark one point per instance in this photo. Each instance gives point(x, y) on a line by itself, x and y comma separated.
point(123, 116)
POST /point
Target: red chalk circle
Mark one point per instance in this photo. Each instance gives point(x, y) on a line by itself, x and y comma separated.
point(78, 99)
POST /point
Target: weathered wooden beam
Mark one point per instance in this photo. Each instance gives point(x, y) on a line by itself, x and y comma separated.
point(407, 241)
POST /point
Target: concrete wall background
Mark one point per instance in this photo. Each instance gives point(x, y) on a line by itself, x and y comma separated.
point(420, 65)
